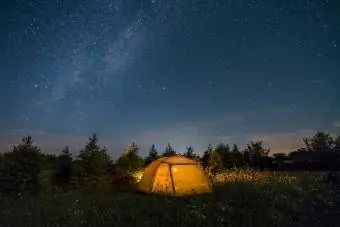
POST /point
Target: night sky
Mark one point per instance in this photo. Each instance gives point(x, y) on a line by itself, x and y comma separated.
point(187, 72)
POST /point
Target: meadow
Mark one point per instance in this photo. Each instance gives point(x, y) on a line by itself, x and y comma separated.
point(240, 198)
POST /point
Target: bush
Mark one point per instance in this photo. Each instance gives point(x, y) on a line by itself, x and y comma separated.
point(123, 180)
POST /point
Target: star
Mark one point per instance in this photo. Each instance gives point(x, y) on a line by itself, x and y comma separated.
point(158, 71)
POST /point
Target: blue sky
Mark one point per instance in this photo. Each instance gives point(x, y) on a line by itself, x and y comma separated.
point(185, 72)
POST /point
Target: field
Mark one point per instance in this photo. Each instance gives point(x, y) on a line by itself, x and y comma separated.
point(240, 198)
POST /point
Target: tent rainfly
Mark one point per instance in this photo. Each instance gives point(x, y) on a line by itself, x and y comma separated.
point(175, 176)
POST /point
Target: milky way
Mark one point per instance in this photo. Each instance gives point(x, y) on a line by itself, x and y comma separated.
point(102, 44)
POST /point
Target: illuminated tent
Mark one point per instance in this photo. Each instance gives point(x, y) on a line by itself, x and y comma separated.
point(175, 176)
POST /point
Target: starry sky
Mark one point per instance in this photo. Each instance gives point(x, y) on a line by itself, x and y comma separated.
point(189, 72)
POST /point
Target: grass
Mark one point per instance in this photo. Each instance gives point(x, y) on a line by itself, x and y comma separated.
point(240, 198)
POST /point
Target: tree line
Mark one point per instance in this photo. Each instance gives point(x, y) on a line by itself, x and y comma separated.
point(26, 169)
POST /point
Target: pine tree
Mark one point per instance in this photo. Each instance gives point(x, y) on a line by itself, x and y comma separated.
point(133, 148)
point(63, 173)
point(22, 168)
point(130, 160)
point(206, 156)
point(190, 152)
point(153, 155)
point(169, 151)
point(235, 149)
point(94, 162)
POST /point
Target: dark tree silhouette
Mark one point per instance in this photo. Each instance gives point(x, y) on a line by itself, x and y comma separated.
point(130, 160)
point(63, 173)
point(190, 152)
point(21, 168)
point(24, 169)
point(206, 156)
point(227, 157)
point(337, 152)
point(320, 142)
point(255, 154)
point(94, 162)
point(237, 159)
point(169, 151)
point(153, 155)
point(2, 162)
point(215, 163)
point(235, 149)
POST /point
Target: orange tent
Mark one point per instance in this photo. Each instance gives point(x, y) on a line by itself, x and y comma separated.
point(177, 175)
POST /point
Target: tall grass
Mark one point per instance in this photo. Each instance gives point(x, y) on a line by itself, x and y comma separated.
point(240, 198)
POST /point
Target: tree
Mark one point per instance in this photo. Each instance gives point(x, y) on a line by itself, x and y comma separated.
point(190, 152)
point(215, 163)
point(334, 176)
point(337, 152)
point(237, 158)
point(2, 161)
point(131, 148)
point(206, 156)
point(337, 143)
point(169, 151)
point(224, 151)
point(221, 149)
point(94, 162)
point(320, 151)
point(130, 160)
point(153, 155)
point(256, 153)
point(63, 173)
point(235, 149)
point(22, 167)
point(319, 142)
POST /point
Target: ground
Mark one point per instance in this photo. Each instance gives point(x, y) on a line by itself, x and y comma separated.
point(240, 198)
